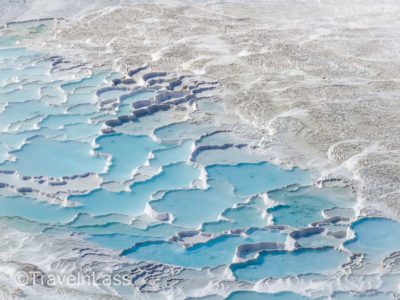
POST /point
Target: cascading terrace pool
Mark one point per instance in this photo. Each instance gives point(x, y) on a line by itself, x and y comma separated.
point(150, 166)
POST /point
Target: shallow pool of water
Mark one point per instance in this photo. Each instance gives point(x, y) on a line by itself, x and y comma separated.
point(376, 237)
point(245, 295)
point(43, 156)
point(218, 251)
point(303, 261)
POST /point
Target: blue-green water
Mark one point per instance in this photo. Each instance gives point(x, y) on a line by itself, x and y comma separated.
point(218, 251)
point(244, 295)
point(375, 237)
point(283, 263)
